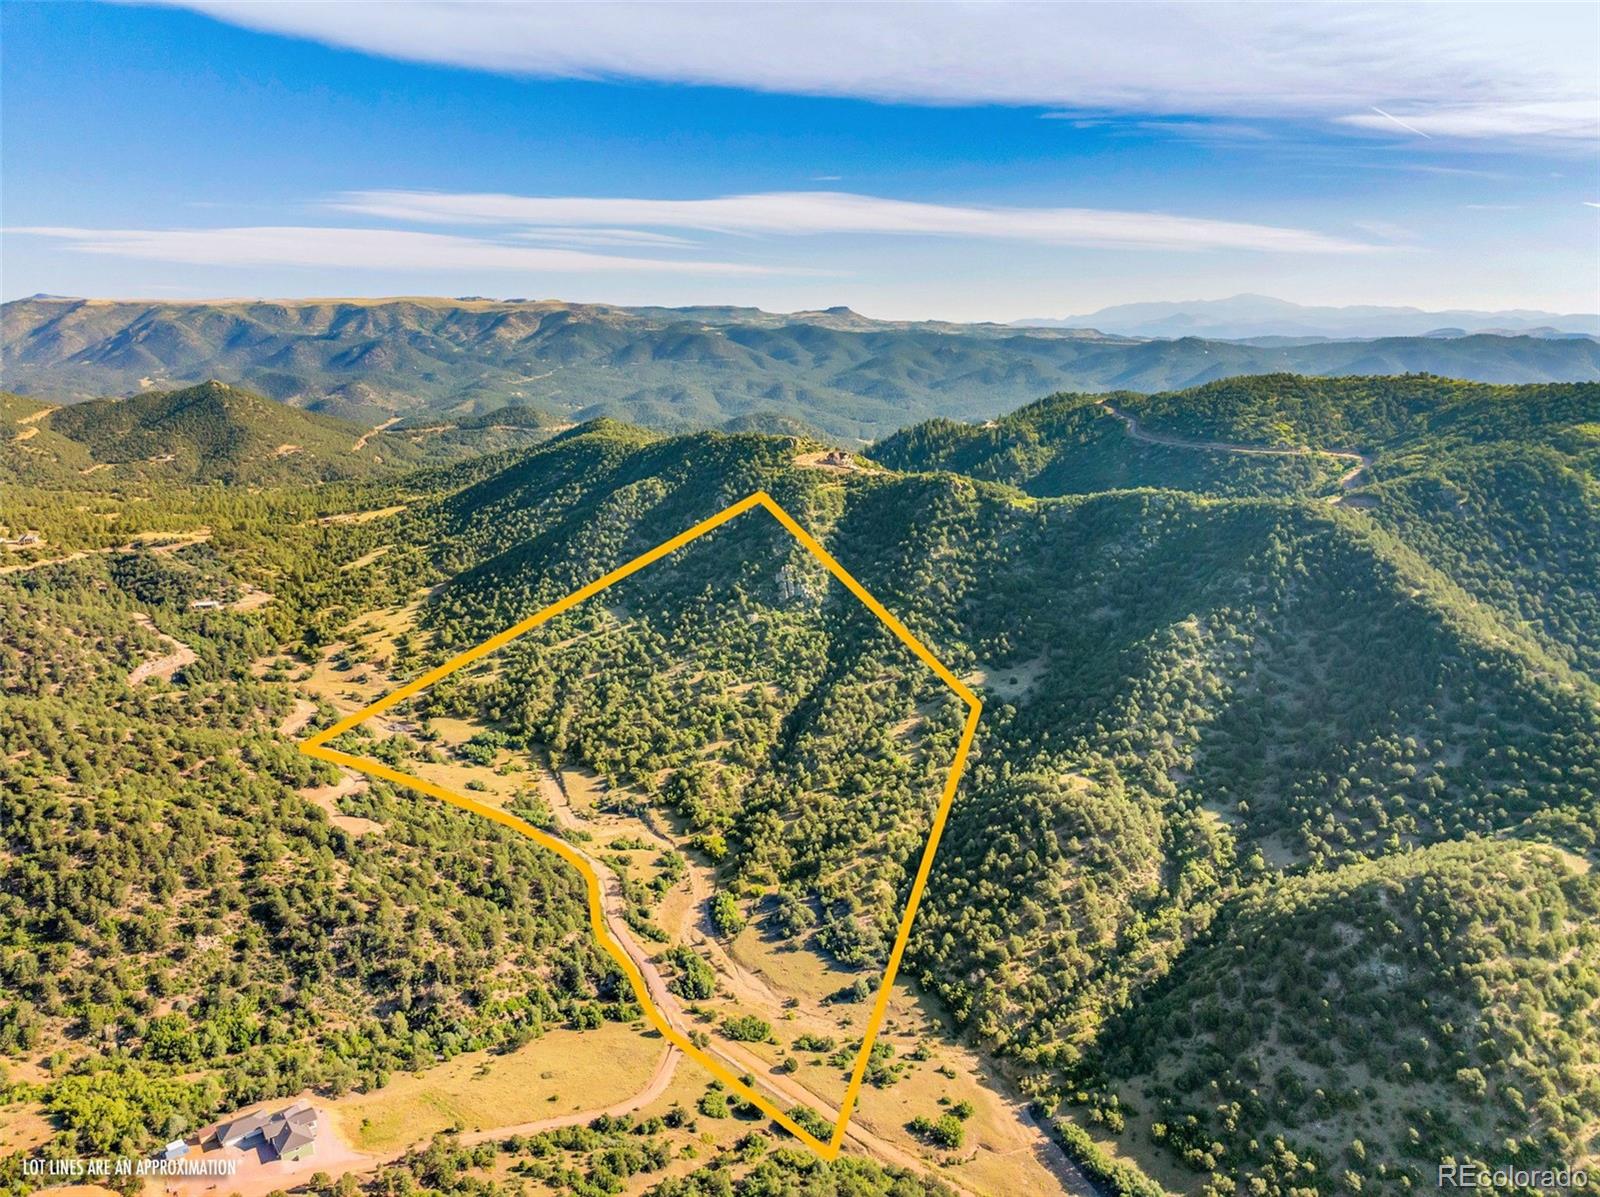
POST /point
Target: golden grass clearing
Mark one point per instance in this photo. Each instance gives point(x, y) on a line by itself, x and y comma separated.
point(1012, 681)
point(456, 775)
point(559, 1073)
point(362, 517)
point(1003, 1153)
point(24, 1129)
point(793, 970)
point(348, 689)
point(366, 559)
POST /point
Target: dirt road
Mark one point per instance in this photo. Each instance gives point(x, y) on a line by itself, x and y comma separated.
point(361, 441)
point(299, 715)
point(1138, 433)
point(178, 540)
point(162, 667)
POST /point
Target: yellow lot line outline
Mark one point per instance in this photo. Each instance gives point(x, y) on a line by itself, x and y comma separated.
point(316, 746)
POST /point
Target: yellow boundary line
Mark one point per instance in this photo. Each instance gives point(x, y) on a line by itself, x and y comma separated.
point(316, 746)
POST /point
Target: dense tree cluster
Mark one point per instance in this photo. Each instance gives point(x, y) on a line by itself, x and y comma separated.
point(185, 932)
point(1390, 1013)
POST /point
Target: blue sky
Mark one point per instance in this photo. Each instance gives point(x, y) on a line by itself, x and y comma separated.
point(959, 162)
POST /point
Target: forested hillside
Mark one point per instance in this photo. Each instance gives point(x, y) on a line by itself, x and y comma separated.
point(1497, 487)
point(185, 933)
point(1426, 1000)
point(1271, 872)
point(1218, 697)
point(218, 433)
point(676, 369)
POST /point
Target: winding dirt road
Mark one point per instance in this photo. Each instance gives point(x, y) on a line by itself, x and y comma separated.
point(1139, 433)
point(162, 667)
point(361, 441)
point(299, 715)
point(733, 1055)
point(180, 540)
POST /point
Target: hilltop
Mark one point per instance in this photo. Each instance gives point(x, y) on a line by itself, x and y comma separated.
point(214, 432)
point(1487, 483)
point(847, 375)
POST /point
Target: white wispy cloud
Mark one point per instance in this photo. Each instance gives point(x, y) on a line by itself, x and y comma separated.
point(631, 238)
point(359, 248)
point(791, 213)
point(1459, 70)
point(1387, 230)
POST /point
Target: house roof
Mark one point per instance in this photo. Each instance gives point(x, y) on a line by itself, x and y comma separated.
point(285, 1129)
point(245, 1126)
point(298, 1127)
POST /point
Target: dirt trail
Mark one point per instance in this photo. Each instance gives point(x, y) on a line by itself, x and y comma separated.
point(361, 441)
point(746, 987)
point(365, 559)
point(295, 721)
point(161, 667)
point(359, 517)
point(252, 599)
point(1138, 433)
point(697, 929)
point(27, 565)
point(326, 798)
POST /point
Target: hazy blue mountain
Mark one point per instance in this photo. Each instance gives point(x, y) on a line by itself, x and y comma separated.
point(1242, 317)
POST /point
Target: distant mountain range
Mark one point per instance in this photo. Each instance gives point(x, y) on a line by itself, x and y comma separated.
point(834, 370)
point(1246, 317)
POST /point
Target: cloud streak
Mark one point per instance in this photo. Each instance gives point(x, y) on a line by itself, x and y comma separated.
point(811, 213)
point(361, 249)
point(1470, 71)
point(1570, 120)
